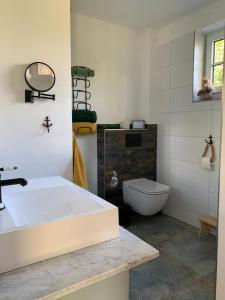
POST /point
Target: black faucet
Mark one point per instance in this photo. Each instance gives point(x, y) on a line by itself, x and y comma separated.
point(7, 182)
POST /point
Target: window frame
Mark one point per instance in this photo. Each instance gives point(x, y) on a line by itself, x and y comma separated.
point(210, 51)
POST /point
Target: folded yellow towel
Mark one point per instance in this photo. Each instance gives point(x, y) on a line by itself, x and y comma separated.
point(79, 174)
point(84, 128)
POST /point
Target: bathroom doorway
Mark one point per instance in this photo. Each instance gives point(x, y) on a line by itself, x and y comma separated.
point(189, 151)
point(180, 70)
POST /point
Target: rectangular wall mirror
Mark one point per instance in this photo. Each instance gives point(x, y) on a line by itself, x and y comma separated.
point(208, 63)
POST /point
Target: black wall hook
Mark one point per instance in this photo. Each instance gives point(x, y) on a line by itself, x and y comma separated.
point(210, 142)
point(47, 124)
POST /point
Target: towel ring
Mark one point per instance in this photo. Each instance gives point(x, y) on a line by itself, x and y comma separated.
point(210, 142)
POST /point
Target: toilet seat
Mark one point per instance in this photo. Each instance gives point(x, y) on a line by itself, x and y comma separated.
point(148, 187)
point(145, 197)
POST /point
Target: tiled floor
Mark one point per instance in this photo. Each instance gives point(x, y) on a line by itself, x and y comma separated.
point(186, 268)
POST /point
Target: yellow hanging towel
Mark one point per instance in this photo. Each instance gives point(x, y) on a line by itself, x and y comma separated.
point(79, 174)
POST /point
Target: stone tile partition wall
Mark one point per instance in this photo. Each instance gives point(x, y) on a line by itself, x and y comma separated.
point(183, 125)
point(128, 162)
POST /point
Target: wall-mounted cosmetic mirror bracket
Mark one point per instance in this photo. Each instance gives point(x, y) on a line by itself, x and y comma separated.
point(40, 77)
point(30, 96)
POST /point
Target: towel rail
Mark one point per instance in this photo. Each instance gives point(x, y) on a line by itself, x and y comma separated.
point(77, 103)
point(87, 94)
point(77, 92)
point(76, 80)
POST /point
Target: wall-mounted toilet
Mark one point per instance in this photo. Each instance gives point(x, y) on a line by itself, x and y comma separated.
point(146, 197)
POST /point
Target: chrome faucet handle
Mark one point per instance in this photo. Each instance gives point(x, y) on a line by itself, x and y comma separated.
point(4, 169)
point(113, 180)
point(114, 173)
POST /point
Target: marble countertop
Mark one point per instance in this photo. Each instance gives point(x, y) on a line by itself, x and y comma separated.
point(65, 274)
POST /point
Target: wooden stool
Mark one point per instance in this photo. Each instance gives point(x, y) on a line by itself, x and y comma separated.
point(207, 223)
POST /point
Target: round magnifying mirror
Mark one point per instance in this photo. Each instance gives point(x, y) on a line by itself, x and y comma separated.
point(40, 77)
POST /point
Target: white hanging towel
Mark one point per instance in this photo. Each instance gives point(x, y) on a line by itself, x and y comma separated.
point(207, 162)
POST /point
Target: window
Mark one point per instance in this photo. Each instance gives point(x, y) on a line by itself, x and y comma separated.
point(215, 59)
point(217, 63)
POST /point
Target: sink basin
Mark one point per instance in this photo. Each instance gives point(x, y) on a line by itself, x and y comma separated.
point(50, 217)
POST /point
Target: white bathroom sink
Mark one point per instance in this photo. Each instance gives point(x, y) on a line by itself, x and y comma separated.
point(50, 217)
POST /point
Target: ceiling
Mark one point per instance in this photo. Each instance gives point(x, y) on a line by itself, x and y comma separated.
point(137, 14)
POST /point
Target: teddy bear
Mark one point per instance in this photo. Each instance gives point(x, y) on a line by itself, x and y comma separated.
point(206, 90)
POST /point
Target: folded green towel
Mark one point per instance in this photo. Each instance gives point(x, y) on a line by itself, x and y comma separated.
point(82, 71)
point(84, 116)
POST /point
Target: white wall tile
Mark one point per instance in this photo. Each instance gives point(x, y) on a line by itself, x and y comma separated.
point(189, 198)
point(189, 149)
point(183, 48)
point(217, 104)
point(188, 174)
point(216, 123)
point(182, 74)
point(217, 145)
point(163, 146)
point(214, 180)
point(164, 55)
point(163, 170)
point(174, 200)
point(181, 100)
point(213, 204)
point(183, 125)
point(164, 101)
point(192, 124)
point(165, 78)
point(164, 124)
point(179, 213)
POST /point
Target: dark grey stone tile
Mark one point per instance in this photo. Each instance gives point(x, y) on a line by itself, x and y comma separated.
point(137, 162)
point(186, 268)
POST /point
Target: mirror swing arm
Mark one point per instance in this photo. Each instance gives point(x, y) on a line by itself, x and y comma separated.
point(40, 77)
point(29, 96)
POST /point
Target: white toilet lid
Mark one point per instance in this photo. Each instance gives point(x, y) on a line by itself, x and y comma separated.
point(148, 186)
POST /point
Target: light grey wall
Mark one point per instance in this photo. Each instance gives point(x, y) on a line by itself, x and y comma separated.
point(35, 31)
point(120, 87)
